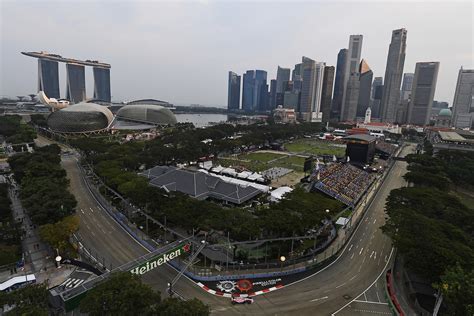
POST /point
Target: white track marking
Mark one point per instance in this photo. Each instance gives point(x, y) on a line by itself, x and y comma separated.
point(370, 302)
point(318, 299)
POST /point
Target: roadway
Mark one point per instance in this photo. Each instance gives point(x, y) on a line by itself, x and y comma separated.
point(110, 244)
point(354, 276)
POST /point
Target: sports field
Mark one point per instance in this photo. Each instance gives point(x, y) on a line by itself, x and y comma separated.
point(315, 147)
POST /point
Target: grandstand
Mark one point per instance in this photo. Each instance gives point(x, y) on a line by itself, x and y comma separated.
point(343, 181)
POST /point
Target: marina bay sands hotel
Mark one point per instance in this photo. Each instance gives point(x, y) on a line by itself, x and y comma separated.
point(48, 77)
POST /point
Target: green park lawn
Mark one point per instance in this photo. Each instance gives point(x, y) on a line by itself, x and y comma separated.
point(261, 161)
point(314, 147)
point(261, 156)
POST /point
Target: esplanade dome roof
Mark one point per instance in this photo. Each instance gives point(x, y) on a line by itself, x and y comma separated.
point(80, 117)
point(147, 113)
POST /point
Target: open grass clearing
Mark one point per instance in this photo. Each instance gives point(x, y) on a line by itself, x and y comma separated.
point(315, 147)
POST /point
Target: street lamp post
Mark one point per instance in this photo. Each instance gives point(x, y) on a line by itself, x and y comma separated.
point(282, 259)
point(58, 259)
point(170, 289)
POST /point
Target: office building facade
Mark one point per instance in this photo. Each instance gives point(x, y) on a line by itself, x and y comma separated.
point(351, 79)
point(339, 84)
point(393, 76)
point(248, 84)
point(261, 91)
point(326, 93)
point(310, 102)
point(102, 84)
point(255, 91)
point(376, 96)
point(48, 77)
point(407, 84)
point(463, 103)
point(365, 87)
point(273, 94)
point(233, 91)
point(297, 72)
point(283, 75)
point(76, 83)
point(423, 90)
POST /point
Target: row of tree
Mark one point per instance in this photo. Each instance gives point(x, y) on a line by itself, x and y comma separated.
point(44, 186)
point(45, 196)
point(10, 234)
point(15, 131)
point(433, 229)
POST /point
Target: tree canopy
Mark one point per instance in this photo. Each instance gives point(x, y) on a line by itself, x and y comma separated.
point(31, 300)
point(124, 294)
point(117, 164)
point(15, 130)
point(432, 228)
point(43, 181)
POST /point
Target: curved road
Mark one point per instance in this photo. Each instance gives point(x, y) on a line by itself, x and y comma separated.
point(330, 291)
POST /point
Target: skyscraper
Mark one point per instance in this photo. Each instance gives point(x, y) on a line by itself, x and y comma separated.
point(48, 77)
point(377, 88)
point(378, 81)
point(423, 90)
point(310, 103)
point(76, 83)
point(283, 75)
point(393, 75)
point(351, 79)
point(407, 84)
point(297, 72)
point(326, 93)
point(233, 91)
point(247, 91)
point(365, 87)
point(255, 91)
point(463, 104)
point(261, 91)
point(102, 84)
point(339, 84)
point(273, 94)
point(349, 110)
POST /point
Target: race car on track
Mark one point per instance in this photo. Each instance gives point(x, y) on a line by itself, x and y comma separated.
point(242, 300)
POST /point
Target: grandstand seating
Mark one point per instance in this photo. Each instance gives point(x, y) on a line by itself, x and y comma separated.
point(343, 182)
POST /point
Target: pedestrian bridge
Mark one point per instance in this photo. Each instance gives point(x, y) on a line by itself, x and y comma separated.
point(68, 299)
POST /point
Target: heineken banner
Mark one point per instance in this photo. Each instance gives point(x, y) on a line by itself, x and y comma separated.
point(161, 259)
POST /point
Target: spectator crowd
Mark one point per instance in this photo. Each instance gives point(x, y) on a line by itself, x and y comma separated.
point(344, 182)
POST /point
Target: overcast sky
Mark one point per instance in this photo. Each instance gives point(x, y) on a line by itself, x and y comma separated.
point(182, 51)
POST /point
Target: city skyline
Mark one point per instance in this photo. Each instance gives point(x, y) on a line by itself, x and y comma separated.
point(156, 69)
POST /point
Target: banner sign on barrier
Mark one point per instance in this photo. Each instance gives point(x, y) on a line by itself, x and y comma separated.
point(161, 259)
